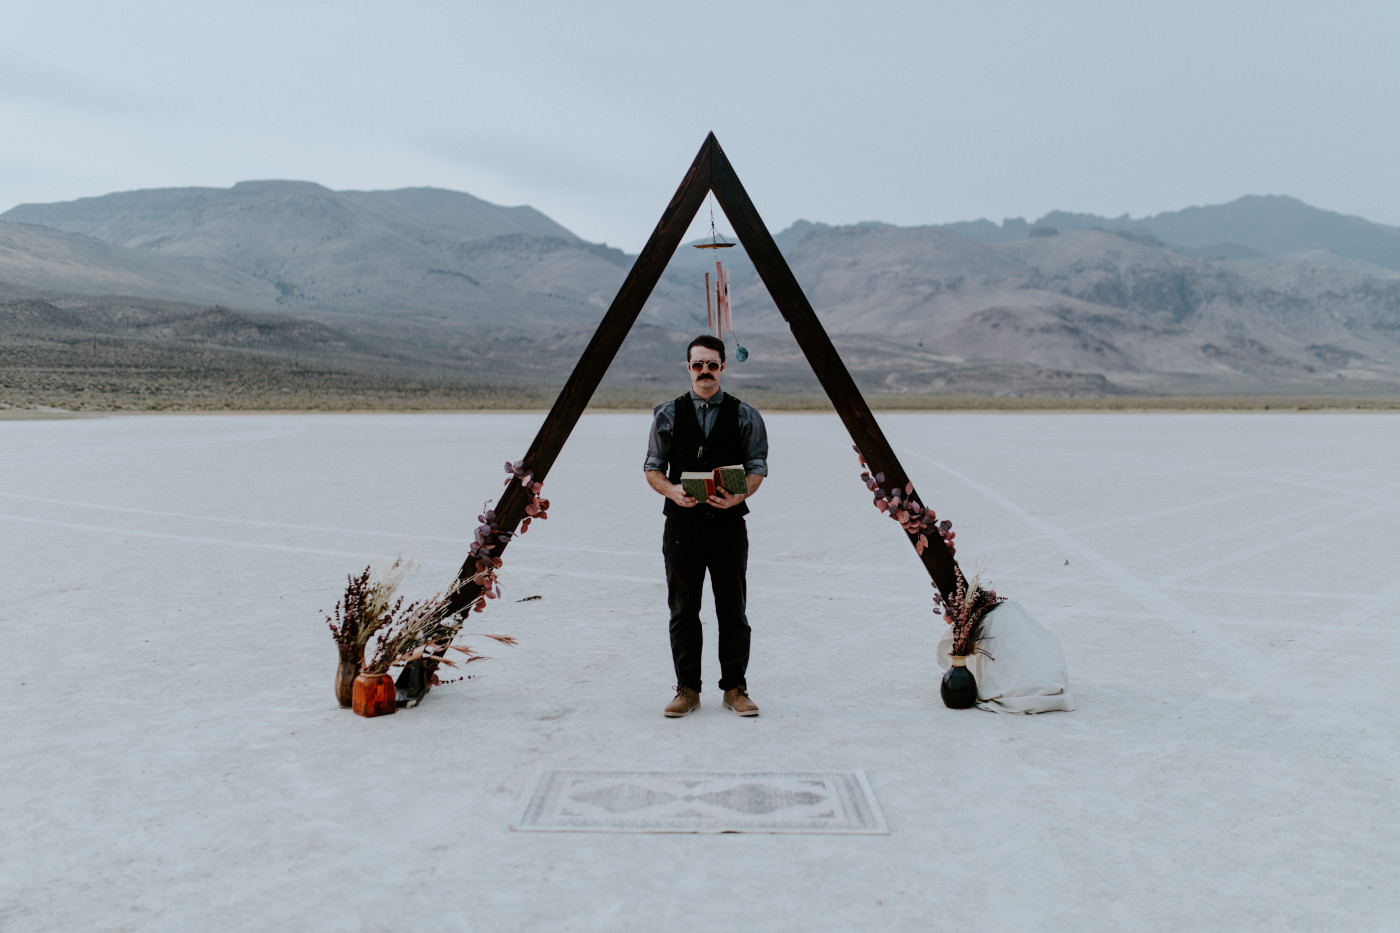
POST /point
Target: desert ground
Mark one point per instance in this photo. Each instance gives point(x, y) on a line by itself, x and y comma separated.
point(1223, 584)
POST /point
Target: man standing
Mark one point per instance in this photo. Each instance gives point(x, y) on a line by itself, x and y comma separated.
point(699, 431)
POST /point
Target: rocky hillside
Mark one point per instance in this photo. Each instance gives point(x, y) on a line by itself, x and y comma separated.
point(1144, 316)
point(507, 294)
point(51, 260)
point(299, 247)
point(1251, 226)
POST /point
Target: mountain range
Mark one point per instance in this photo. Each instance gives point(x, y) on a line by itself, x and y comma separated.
point(1252, 226)
point(1262, 294)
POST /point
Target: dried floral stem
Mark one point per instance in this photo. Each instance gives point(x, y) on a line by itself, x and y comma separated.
point(970, 602)
point(490, 537)
point(424, 630)
point(365, 608)
point(916, 520)
point(965, 612)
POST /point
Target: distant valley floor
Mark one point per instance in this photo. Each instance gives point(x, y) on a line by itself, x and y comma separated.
point(106, 354)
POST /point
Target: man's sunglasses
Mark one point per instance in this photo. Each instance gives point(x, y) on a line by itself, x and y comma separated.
point(699, 366)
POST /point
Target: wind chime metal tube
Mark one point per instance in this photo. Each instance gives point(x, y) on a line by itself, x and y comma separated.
point(709, 305)
point(728, 308)
point(719, 314)
point(719, 299)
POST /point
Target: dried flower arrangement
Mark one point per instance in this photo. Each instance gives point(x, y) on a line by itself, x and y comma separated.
point(536, 507)
point(970, 602)
point(420, 634)
point(423, 630)
point(965, 612)
point(405, 633)
point(912, 517)
point(364, 609)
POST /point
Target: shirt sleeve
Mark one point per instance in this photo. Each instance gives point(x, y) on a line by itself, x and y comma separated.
point(663, 422)
point(753, 438)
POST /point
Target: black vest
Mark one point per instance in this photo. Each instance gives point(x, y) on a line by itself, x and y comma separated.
point(691, 451)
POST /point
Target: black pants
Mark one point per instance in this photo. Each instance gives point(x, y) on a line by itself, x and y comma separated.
point(721, 546)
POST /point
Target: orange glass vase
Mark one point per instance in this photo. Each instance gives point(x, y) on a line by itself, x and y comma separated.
point(373, 695)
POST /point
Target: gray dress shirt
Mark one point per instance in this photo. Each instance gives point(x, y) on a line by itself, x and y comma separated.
point(753, 437)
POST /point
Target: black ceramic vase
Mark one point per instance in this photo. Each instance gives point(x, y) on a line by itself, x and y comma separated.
point(959, 687)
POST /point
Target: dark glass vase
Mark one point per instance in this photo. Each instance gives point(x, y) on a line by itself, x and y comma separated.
point(959, 687)
point(345, 674)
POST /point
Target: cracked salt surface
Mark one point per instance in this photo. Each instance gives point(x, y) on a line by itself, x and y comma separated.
point(173, 758)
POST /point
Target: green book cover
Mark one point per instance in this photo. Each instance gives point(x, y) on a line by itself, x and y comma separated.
point(734, 479)
point(701, 485)
point(698, 485)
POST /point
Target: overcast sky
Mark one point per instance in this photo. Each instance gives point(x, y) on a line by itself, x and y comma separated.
point(910, 113)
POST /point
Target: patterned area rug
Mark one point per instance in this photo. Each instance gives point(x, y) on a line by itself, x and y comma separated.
point(700, 802)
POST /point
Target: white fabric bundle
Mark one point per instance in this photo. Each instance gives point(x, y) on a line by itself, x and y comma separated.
point(1029, 674)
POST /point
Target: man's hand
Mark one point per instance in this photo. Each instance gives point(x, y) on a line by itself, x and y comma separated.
point(678, 495)
point(673, 491)
point(724, 499)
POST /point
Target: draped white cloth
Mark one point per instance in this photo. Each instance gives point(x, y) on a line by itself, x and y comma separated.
point(1029, 673)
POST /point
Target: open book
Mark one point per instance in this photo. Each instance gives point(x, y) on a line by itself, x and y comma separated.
point(702, 485)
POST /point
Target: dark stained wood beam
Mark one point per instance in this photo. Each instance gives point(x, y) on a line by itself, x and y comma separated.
point(601, 351)
point(710, 171)
point(816, 346)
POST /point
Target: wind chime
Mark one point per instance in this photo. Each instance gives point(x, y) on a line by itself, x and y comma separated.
point(718, 311)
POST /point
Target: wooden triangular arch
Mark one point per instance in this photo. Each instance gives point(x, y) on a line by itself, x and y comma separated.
point(710, 171)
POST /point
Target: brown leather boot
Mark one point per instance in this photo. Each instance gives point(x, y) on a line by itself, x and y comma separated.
point(685, 703)
point(737, 699)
